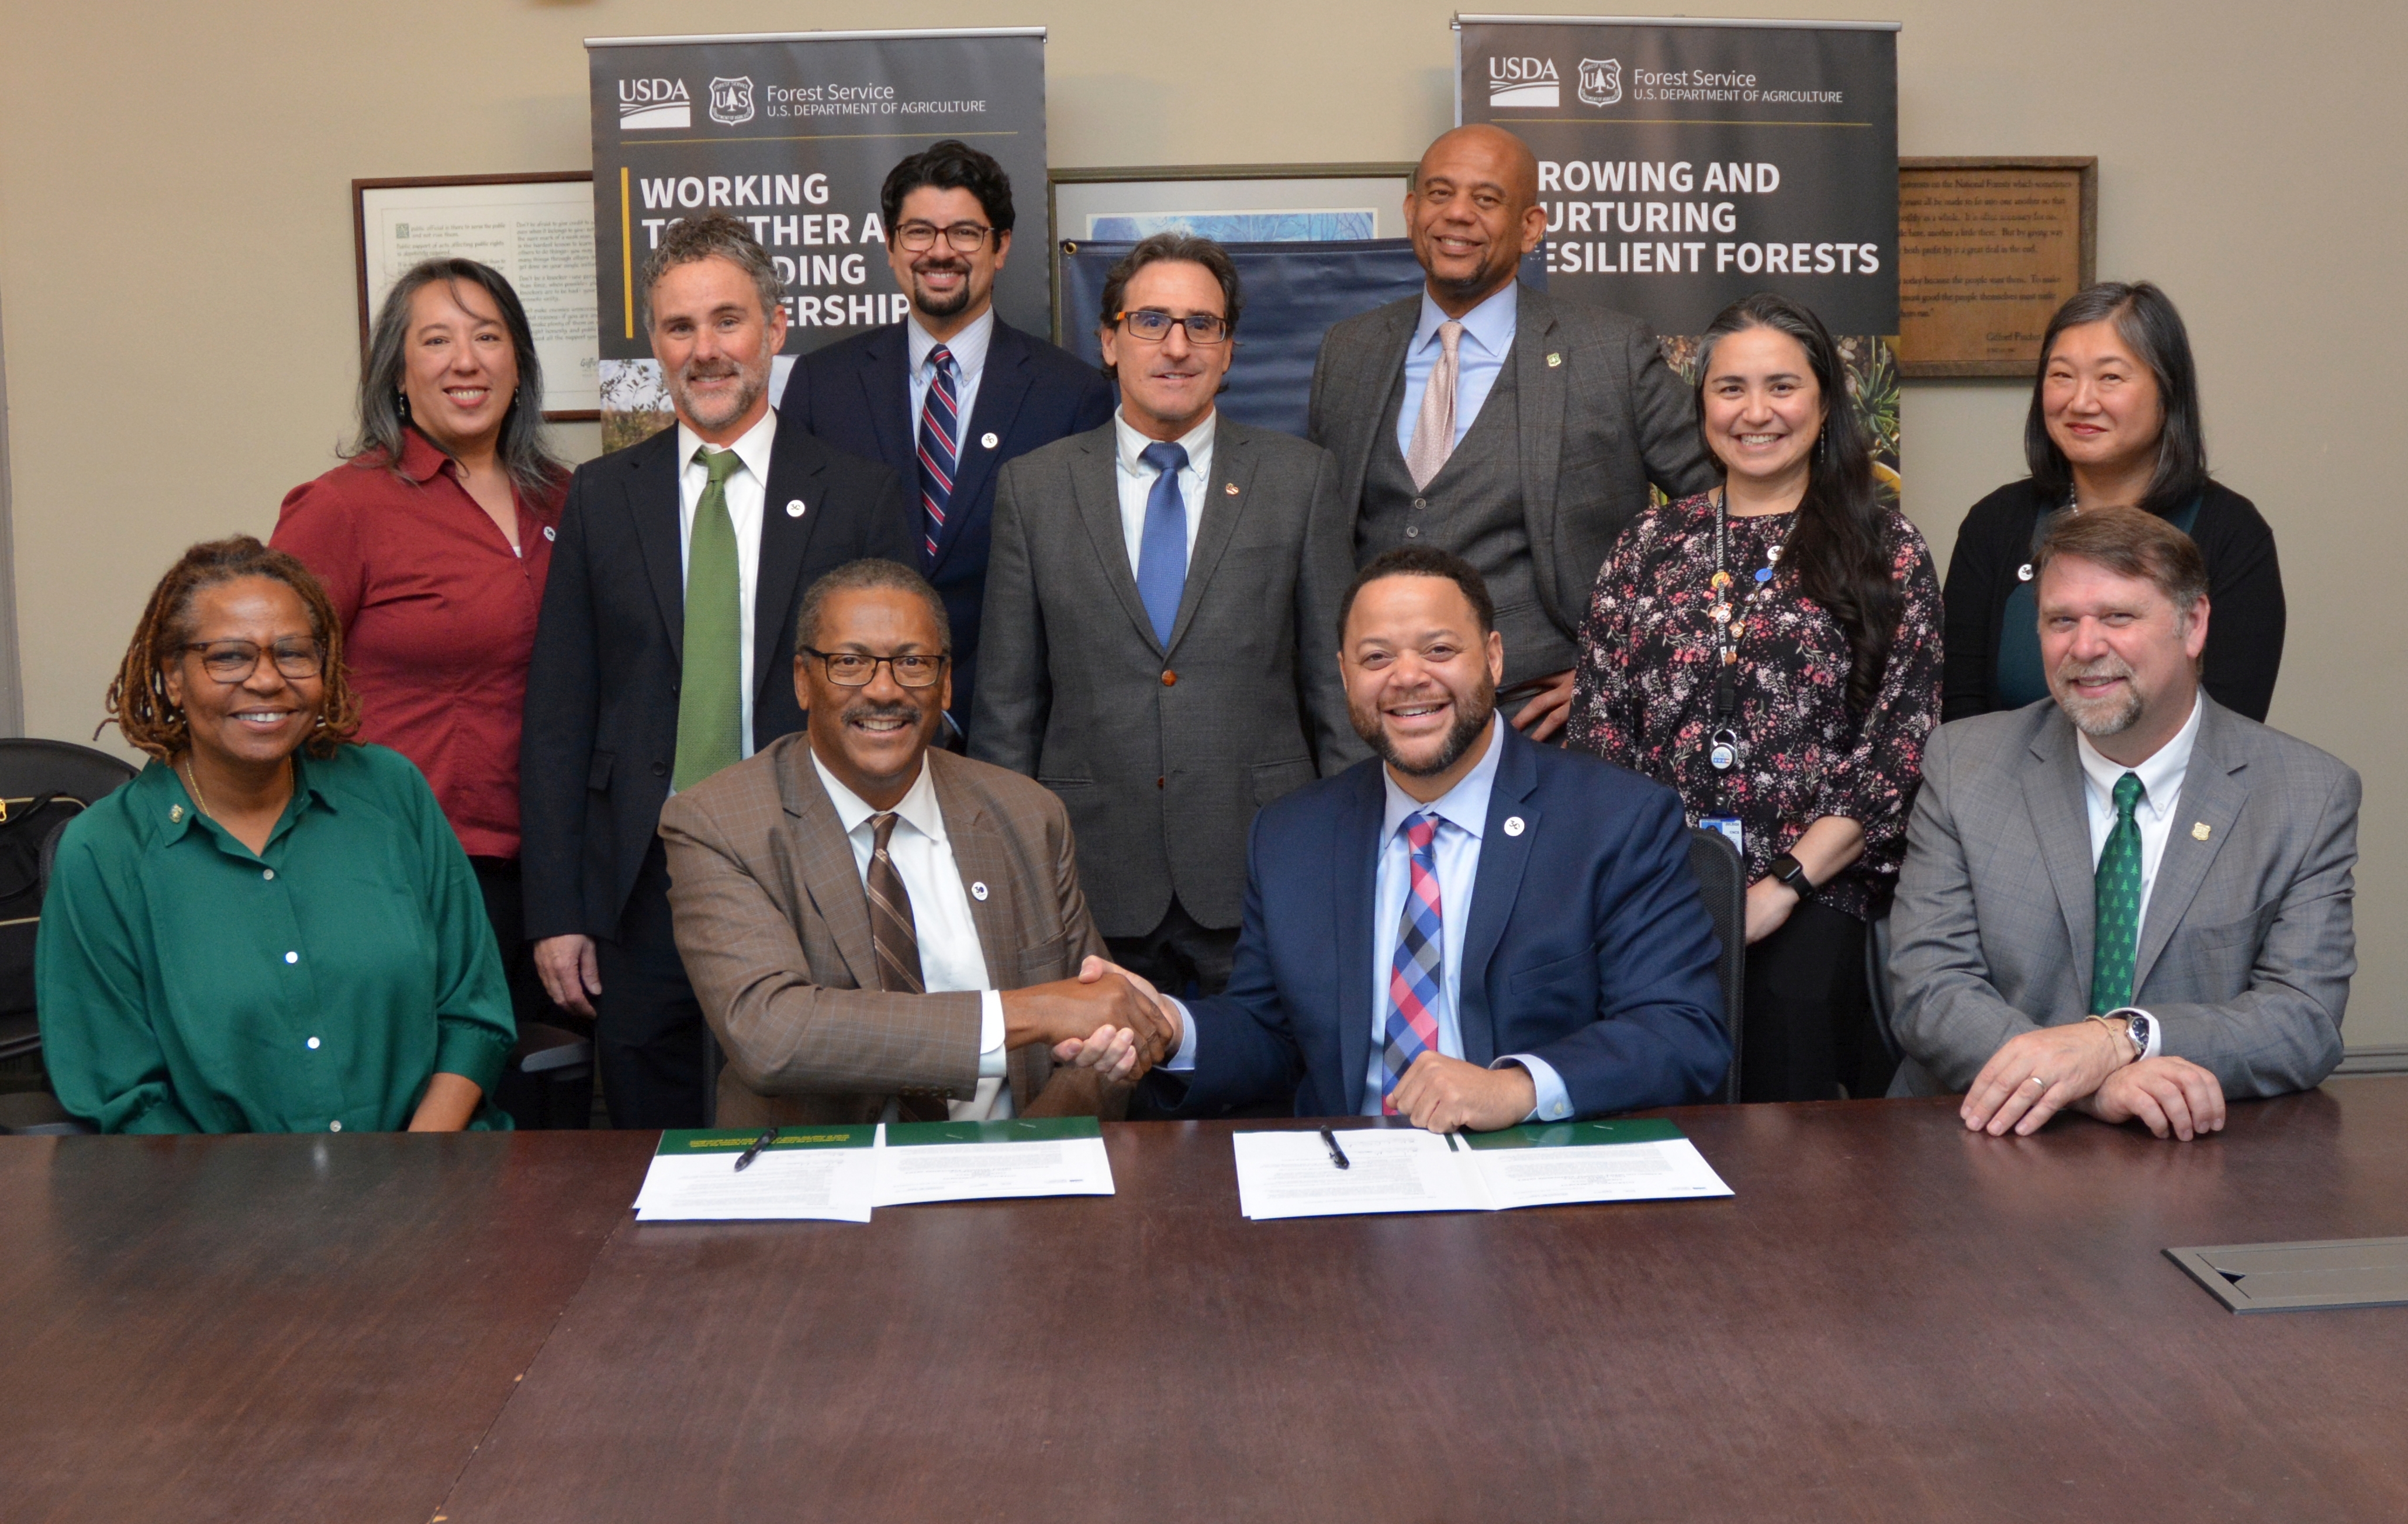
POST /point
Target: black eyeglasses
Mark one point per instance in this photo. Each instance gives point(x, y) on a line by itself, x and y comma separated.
point(859, 670)
point(234, 661)
point(962, 237)
point(1153, 327)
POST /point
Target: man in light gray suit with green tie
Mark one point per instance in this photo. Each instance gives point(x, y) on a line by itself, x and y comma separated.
point(2127, 900)
point(1546, 423)
point(1161, 623)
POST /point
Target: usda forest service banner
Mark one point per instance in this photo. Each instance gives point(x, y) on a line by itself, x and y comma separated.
point(795, 135)
point(1685, 164)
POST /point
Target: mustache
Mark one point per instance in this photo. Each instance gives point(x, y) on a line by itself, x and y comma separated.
point(873, 709)
point(2109, 666)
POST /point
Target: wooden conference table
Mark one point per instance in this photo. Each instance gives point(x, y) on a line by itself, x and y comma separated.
point(1891, 1319)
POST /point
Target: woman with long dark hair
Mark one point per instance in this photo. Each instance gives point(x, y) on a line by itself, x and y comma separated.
point(2115, 423)
point(433, 540)
point(1770, 650)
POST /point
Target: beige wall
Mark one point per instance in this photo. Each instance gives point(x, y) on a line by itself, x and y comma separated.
point(176, 256)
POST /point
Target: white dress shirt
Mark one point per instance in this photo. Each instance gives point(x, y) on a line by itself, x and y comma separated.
point(2161, 780)
point(1136, 479)
point(748, 490)
point(1463, 815)
point(951, 956)
point(1479, 355)
point(969, 349)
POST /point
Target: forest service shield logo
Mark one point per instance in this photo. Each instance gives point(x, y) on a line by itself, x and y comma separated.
point(731, 101)
point(1600, 81)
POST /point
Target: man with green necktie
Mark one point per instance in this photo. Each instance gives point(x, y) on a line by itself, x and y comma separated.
point(665, 646)
point(2125, 900)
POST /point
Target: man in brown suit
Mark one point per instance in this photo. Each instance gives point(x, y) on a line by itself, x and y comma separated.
point(877, 930)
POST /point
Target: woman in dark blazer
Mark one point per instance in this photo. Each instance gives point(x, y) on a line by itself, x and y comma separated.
point(2115, 420)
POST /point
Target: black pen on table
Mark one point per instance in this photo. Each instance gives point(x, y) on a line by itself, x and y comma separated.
point(744, 1160)
point(1337, 1154)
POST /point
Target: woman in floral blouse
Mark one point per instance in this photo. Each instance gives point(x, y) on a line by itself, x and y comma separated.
point(1771, 651)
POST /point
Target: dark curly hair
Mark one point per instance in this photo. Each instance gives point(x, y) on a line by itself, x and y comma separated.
point(138, 699)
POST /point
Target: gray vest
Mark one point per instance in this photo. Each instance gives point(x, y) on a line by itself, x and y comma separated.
point(1473, 507)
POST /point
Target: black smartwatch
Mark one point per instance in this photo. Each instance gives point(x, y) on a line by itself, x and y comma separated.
point(1787, 869)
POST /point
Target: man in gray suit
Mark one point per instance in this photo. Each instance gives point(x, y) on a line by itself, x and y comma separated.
point(1538, 443)
point(1161, 623)
point(2132, 850)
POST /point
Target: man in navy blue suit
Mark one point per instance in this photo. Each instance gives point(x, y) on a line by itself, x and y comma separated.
point(1470, 931)
point(953, 392)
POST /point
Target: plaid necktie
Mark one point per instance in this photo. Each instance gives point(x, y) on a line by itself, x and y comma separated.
point(1413, 972)
point(940, 426)
point(2116, 893)
point(897, 942)
point(710, 682)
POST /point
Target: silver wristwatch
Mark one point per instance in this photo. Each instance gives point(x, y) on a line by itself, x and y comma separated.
point(2141, 1028)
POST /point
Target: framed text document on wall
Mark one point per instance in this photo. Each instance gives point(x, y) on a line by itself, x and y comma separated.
point(538, 230)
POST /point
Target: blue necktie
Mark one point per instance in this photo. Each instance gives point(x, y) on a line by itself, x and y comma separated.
point(1162, 551)
point(940, 427)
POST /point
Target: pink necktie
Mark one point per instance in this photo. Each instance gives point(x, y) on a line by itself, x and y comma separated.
point(1434, 428)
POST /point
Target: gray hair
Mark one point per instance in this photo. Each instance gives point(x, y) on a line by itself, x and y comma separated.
point(868, 572)
point(716, 236)
point(384, 412)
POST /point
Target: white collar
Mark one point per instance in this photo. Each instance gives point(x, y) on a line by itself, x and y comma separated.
point(1490, 326)
point(967, 348)
point(918, 807)
point(752, 448)
point(1197, 442)
point(2161, 772)
point(1464, 806)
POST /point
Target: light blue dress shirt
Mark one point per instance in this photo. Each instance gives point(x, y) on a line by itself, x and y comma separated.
point(1463, 816)
point(968, 349)
point(1487, 334)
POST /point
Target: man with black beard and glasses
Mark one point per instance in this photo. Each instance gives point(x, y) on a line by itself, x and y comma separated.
point(1469, 931)
point(952, 392)
point(2125, 900)
point(665, 651)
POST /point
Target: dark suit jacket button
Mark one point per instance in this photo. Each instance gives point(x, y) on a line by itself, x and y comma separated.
point(660, 769)
point(1421, 502)
point(1412, 531)
point(1169, 680)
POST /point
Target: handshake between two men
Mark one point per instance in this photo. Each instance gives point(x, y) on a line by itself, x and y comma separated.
point(1143, 1029)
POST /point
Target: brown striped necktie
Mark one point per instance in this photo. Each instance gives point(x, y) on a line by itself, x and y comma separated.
point(896, 943)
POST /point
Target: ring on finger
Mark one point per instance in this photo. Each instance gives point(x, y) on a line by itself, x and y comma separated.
point(2037, 1080)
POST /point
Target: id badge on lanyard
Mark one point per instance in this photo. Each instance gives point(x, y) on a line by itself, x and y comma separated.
point(1732, 829)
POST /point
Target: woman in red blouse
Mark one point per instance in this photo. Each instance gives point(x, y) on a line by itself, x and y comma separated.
point(433, 540)
point(1771, 651)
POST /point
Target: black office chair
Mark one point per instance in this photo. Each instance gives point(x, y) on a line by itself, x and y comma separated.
point(1877, 983)
point(1721, 873)
point(43, 786)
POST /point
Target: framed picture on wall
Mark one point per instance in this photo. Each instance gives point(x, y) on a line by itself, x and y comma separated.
point(1988, 249)
point(537, 229)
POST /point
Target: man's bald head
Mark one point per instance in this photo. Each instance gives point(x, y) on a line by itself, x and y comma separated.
point(1481, 147)
point(1472, 212)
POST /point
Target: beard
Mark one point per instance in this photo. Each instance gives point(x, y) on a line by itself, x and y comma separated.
point(2096, 717)
point(756, 380)
point(941, 306)
point(1471, 715)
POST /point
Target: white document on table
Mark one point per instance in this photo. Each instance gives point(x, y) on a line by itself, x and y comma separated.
point(1632, 1171)
point(1012, 1158)
point(832, 1184)
point(1291, 1174)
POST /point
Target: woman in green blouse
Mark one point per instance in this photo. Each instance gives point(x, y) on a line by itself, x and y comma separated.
point(272, 929)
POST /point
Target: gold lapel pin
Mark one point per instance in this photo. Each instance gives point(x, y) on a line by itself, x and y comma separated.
point(175, 814)
point(2199, 832)
point(1555, 359)
point(1229, 487)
